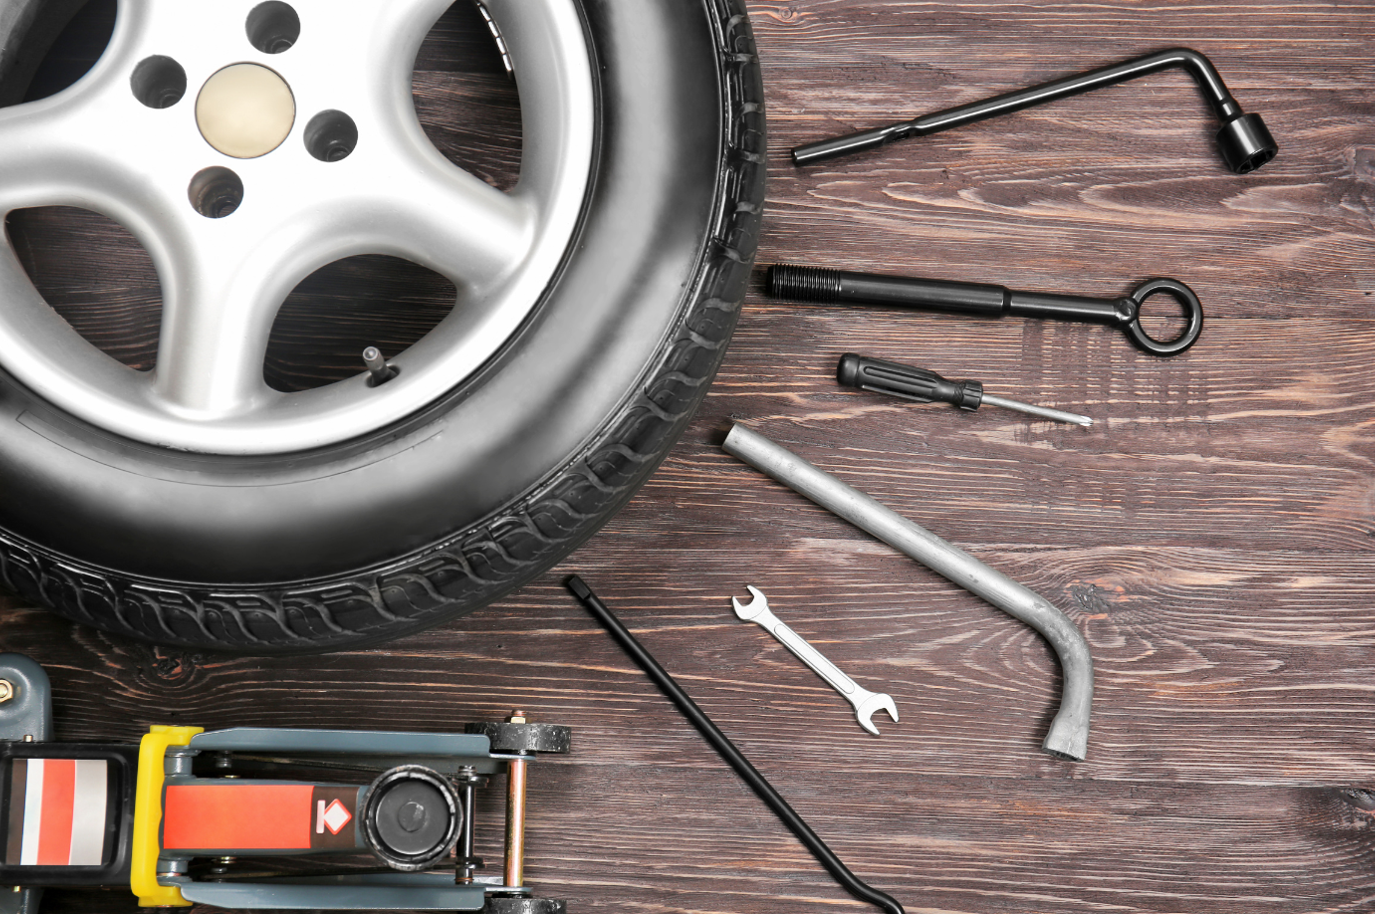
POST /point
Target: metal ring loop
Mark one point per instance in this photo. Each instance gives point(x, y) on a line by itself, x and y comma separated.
point(1193, 310)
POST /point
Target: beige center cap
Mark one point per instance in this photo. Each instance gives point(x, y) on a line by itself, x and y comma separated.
point(245, 111)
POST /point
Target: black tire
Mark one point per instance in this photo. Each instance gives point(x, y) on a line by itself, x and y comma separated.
point(418, 523)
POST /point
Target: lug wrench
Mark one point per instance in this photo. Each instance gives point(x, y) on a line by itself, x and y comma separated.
point(1243, 140)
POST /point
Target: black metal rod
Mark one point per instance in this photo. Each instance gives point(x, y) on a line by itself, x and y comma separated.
point(762, 788)
point(1244, 142)
point(466, 865)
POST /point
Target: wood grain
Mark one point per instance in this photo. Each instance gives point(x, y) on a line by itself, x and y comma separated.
point(1213, 534)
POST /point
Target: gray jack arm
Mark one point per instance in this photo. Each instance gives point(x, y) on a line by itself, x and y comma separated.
point(1069, 731)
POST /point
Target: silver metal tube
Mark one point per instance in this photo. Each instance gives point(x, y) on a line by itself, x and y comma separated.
point(1069, 731)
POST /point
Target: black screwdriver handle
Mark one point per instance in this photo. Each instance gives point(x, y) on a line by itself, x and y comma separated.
point(916, 384)
point(840, 287)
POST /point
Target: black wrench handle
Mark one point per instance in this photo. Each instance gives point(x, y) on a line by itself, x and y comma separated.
point(762, 788)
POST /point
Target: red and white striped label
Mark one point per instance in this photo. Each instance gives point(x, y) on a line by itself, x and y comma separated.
point(57, 812)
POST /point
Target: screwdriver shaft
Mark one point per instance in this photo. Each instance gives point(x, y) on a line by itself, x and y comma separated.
point(1044, 412)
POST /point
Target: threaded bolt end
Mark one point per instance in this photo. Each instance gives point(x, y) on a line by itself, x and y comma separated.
point(815, 284)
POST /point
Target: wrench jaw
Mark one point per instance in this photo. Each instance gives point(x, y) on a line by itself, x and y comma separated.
point(758, 605)
point(877, 701)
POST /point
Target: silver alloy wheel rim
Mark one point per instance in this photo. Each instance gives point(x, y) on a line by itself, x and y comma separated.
point(97, 146)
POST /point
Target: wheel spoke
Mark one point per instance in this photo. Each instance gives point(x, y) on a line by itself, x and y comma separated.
point(217, 314)
point(399, 23)
point(44, 158)
point(556, 110)
point(74, 148)
point(454, 223)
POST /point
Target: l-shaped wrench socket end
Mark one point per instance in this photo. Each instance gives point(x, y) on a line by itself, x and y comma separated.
point(1069, 732)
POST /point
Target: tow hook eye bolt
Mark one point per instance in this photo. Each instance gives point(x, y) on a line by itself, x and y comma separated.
point(842, 287)
point(1243, 141)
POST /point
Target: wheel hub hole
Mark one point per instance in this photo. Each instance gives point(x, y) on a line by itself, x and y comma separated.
point(346, 307)
point(466, 101)
point(72, 55)
point(331, 136)
point(216, 192)
point(158, 82)
point(97, 277)
point(273, 27)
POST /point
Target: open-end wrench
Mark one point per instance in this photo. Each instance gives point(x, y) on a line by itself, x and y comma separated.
point(865, 702)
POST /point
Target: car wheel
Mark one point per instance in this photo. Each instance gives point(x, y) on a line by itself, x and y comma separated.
point(194, 505)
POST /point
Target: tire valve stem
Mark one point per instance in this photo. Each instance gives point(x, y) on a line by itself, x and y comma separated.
point(377, 366)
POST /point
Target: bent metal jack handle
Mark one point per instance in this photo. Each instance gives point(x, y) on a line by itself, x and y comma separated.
point(841, 287)
point(1243, 141)
point(1069, 731)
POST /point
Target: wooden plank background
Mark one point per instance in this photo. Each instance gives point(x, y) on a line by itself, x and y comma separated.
point(1211, 534)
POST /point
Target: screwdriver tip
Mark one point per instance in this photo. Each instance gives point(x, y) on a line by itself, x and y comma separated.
point(1055, 415)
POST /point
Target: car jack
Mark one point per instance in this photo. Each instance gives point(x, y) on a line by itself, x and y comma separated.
point(194, 817)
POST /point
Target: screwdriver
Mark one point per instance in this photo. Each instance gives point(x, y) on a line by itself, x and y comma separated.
point(922, 386)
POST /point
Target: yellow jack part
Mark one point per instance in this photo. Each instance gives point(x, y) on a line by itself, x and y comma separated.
point(147, 840)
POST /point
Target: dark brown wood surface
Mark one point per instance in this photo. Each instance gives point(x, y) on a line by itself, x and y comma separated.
point(1213, 534)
